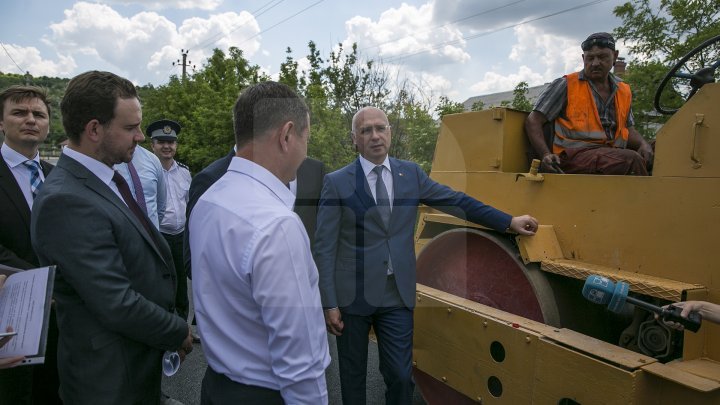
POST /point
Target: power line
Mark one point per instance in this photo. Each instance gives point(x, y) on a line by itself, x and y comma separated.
point(284, 20)
point(11, 58)
point(257, 13)
point(446, 24)
point(482, 34)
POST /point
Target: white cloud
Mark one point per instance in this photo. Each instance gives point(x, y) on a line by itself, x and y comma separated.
point(163, 4)
point(494, 82)
point(555, 54)
point(150, 40)
point(407, 31)
point(29, 58)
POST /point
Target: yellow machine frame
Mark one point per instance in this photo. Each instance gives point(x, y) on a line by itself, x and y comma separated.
point(657, 233)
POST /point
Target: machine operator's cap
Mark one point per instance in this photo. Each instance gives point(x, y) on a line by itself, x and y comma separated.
point(601, 39)
point(163, 130)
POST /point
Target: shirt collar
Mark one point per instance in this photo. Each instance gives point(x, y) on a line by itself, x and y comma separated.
point(14, 158)
point(173, 166)
point(264, 177)
point(368, 166)
point(98, 168)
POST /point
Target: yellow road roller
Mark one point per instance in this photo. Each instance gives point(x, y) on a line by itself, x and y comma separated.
point(502, 319)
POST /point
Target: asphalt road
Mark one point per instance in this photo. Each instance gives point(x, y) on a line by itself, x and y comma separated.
point(185, 385)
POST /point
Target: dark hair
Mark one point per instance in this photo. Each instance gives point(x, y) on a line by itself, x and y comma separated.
point(91, 96)
point(264, 106)
point(17, 94)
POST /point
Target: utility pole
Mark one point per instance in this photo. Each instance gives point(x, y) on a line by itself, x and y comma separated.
point(185, 63)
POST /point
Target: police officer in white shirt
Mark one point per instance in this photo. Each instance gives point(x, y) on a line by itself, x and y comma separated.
point(164, 135)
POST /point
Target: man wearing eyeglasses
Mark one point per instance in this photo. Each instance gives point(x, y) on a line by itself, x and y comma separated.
point(593, 121)
point(365, 254)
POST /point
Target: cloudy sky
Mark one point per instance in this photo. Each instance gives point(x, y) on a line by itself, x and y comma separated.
point(457, 48)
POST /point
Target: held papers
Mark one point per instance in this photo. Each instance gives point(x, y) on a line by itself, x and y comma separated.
point(25, 305)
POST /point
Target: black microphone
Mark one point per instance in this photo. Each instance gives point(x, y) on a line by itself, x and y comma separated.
point(601, 290)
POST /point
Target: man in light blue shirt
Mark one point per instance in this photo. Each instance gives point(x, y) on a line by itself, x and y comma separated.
point(152, 183)
point(255, 284)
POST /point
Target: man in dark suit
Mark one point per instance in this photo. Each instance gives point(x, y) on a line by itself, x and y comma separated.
point(115, 281)
point(307, 187)
point(365, 255)
point(25, 121)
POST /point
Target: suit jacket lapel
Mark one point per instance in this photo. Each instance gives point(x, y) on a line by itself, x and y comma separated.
point(9, 185)
point(46, 167)
point(362, 188)
point(92, 182)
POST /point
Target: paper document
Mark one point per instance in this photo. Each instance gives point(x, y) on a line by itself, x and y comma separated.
point(25, 305)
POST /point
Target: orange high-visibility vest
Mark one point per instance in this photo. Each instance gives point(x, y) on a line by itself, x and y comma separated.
point(582, 128)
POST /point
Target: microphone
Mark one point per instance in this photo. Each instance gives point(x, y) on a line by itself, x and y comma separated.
point(601, 290)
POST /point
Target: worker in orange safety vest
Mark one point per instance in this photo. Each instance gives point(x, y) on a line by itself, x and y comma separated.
point(593, 122)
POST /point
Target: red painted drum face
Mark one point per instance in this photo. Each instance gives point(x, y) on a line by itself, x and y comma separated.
point(483, 268)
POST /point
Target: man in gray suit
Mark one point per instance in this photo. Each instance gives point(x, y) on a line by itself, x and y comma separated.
point(115, 282)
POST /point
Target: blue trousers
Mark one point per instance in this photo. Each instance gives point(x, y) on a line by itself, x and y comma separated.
point(394, 330)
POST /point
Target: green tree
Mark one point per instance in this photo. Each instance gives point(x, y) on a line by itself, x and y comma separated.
point(446, 106)
point(658, 36)
point(477, 106)
point(668, 31)
point(520, 100)
point(289, 71)
point(55, 87)
point(202, 104)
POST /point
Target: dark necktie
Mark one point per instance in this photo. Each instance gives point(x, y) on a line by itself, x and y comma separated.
point(131, 203)
point(137, 186)
point(35, 181)
point(381, 196)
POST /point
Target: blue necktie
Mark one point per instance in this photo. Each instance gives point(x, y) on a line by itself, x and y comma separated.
point(381, 196)
point(35, 180)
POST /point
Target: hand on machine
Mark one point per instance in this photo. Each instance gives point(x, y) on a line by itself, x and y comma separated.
point(601, 290)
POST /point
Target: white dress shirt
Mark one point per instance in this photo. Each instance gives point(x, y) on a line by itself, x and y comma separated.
point(16, 163)
point(371, 177)
point(177, 181)
point(150, 172)
point(98, 168)
point(255, 286)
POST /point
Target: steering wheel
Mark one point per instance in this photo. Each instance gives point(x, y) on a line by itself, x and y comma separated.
point(698, 79)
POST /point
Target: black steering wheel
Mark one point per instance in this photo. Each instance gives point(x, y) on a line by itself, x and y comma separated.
point(697, 80)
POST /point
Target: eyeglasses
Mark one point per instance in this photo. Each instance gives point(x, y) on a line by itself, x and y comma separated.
point(601, 42)
point(368, 130)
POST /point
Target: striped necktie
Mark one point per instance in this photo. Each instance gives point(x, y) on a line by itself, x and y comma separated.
point(35, 180)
